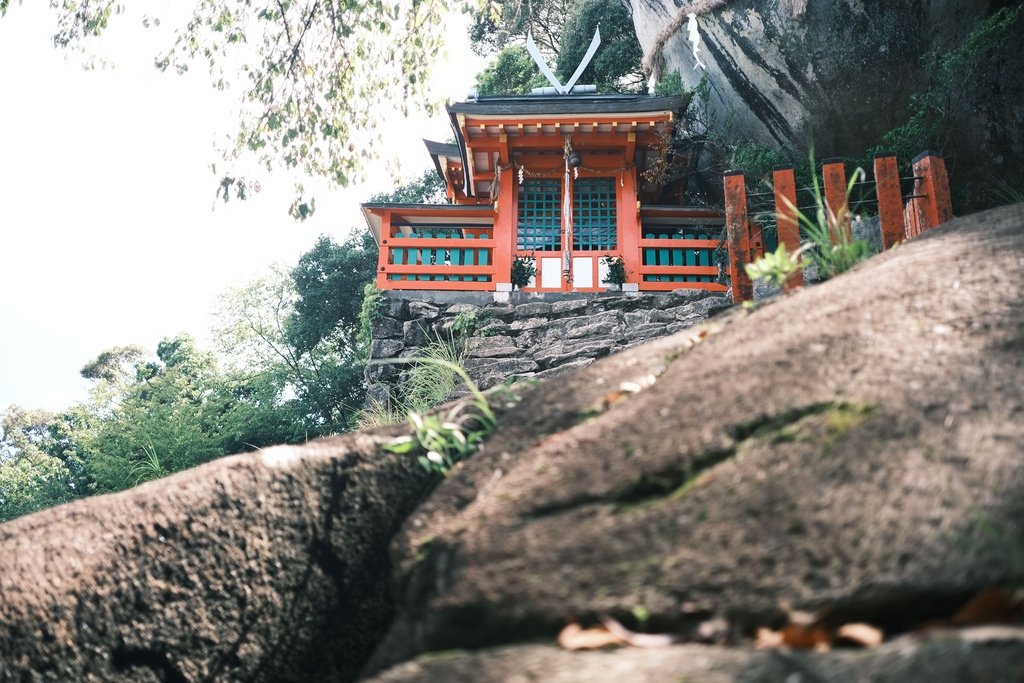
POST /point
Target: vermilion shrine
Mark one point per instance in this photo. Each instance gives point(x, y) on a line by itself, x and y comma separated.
point(561, 178)
point(557, 179)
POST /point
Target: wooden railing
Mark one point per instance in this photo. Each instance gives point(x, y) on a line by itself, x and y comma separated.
point(678, 261)
point(438, 258)
point(900, 216)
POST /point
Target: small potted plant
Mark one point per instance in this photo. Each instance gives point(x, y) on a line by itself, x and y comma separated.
point(616, 271)
point(523, 270)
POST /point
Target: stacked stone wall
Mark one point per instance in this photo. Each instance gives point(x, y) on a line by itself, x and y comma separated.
point(531, 336)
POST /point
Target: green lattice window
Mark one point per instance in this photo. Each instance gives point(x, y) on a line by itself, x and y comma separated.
point(593, 212)
point(540, 215)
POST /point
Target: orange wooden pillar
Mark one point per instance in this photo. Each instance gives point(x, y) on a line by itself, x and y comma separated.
point(384, 250)
point(935, 207)
point(737, 227)
point(630, 225)
point(890, 199)
point(504, 229)
point(787, 225)
point(833, 175)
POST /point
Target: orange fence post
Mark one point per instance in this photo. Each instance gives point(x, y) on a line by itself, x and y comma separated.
point(935, 207)
point(787, 225)
point(737, 228)
point(833, 173)
point(384, 251)
point(630, 226)
point(504, 230)
point(890, 199)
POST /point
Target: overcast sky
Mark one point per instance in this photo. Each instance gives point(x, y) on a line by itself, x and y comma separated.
point(108, 230)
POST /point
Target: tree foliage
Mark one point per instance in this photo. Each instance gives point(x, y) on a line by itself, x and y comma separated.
point(329, 281)
point(616, 66)
point(562, 30)
point(427, 188)
point(508, 22)
point(311, 73)
point(513, 72)
point(30, 477)
point(289, 367)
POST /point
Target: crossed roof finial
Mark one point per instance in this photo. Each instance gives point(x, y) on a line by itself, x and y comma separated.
point(531, 47)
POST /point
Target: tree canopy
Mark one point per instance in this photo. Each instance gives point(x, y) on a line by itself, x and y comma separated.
point(513, 72)
point(563, 31)
point(312, 73)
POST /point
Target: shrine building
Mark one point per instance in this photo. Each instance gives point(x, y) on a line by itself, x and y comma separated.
point(560, 182)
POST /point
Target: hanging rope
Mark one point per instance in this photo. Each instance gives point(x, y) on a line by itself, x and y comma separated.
point(567, 222)
point(523, 172)
point(496, 185)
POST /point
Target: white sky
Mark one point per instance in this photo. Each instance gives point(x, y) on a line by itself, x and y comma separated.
point(108, 231)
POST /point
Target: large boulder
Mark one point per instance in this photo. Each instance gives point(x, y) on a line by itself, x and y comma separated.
point(839, 74)
point(943, 659)
point(855, 449)
point(269, 566)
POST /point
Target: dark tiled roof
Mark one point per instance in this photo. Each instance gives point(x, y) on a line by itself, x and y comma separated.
point(442, 207)
point(441, 149)
point(568, 104)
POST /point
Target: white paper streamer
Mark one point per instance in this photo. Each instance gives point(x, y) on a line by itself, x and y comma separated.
point(693, 34)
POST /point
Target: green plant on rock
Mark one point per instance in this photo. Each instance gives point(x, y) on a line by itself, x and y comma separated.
point(616, 270)
point(777, 267)
point(524, 268)
point(465, 324)
point(833, 249)
point(429, 381)
point(435, 373)
point(443, 440)
point(374, 303)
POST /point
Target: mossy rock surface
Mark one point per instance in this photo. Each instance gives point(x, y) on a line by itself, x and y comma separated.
point(856, 449)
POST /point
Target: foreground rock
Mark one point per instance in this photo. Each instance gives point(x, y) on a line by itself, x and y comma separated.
point(262, 567)
point(855, 449)
point(936, 660)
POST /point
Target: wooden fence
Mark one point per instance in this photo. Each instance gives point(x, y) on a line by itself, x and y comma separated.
point(445, 258)
point(901, 216)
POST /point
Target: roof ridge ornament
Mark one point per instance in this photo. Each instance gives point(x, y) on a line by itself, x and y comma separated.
point(531, 48)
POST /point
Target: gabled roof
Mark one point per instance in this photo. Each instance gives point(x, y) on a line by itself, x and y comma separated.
point(568, 104)
point(442, 150)
point(413, 214)
point(552, 109)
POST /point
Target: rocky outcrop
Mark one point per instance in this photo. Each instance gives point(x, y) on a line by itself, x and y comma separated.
point(855, 449)
point(270, 566)
point(838, 73)
point(941, 659)
point(533, 336)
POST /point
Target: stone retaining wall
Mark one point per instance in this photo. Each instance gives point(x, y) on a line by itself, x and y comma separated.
point(531, 335)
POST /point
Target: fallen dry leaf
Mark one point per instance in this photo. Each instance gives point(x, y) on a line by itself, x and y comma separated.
point(637, 639)
point(991, 606)
point(801, 633)
point(575, 637)
point(768, 639)
point(864, 635)
point(612, 397)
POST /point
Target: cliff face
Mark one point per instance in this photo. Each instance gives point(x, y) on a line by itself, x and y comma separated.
point(835, 73)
